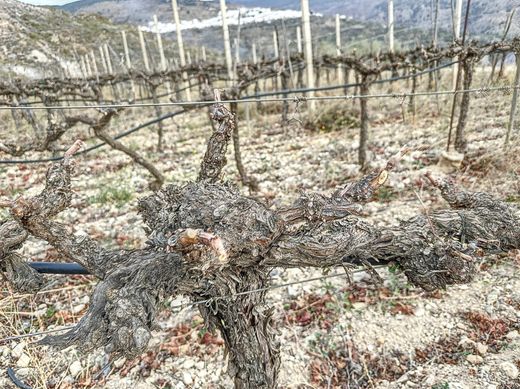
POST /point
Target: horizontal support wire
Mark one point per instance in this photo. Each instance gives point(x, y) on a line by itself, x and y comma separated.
point(92, 148)
point(506, 88)
point(169, 115)
point(248, 98)
point(209, 300)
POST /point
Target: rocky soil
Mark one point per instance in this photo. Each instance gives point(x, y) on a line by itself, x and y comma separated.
point(383, 336)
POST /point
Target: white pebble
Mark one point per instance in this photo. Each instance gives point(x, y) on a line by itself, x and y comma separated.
point(186, 378)
point(75, 368)
point(23, 361)
point(510, 369)
point(188, 364)
point(481, 348)
point(474, 359)
point(18, 350)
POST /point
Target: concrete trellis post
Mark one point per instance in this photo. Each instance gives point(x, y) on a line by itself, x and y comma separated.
point(128, 62)
point(180, 45)
point(164, 65)
point(299, 39)
point(204, 58)
point(457, 16)
point(307, 37)
point(227, 44)
point(339, 71)
point(391, 26)
point(253, 50)
point(108, 59)
point(512, 112)
point(299, 75)
point(277, 57)
point(127, 53)
point(103, 59)
point(89, 69)
point(83, 67)
point(94, 63)
point(144, 51)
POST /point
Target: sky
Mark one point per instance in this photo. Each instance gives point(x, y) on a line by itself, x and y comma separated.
point(47, 2)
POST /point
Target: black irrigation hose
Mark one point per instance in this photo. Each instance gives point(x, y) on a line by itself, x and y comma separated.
point(89, 149)
point(19, 384)
point(58, 268)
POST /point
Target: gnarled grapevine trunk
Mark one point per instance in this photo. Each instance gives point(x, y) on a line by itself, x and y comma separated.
point(245, 325)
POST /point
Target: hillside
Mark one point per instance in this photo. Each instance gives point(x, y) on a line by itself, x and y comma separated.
point(38, 42)
point(486, 18)
point(201, 23)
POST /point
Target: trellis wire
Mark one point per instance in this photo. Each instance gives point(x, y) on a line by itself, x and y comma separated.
point(202, 103)
point(91, 148)
point(210, 300)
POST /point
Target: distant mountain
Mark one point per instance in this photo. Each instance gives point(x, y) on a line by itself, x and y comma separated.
point(486, 19)
point(42, 41)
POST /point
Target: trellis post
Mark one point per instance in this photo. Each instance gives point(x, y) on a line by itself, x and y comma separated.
point(143, 50)
point(227, 44)
point(94, 63)
point(180, 45)
point(128, 62)
point(512, 112)
point(457, 16)
point(391, 26)
point(307, 38)
point(339, 75)
point(164, 66)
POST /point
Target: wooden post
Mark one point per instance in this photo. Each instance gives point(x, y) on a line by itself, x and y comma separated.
point(144, 51)
point(94, 63)
point(457, 16)
point(108, 59)
point(277, 57)
point(299, 75)
point(339, 76)
point(103, 60)
point(89, 69)
point(83, 67)
point(512, 112)
point(180, 44)
point(307, 38)
point(364, 130)
point(227, 44)
point(504, 55)
point(204, 58)
point(434, 77)
point(435, 24)
point(288, 55)
point(128, 63)
point(275, 45)
point(391, 26)
point(127, 53)
point(253, 49)
point(164, 65)
point(299, 39)
point(257, 85)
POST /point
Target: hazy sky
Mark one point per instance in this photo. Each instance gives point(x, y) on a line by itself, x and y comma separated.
point(47, 2)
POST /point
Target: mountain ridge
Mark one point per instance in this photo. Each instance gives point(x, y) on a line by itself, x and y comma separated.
point(486, 19)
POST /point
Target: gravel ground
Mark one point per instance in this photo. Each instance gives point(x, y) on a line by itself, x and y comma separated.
point(383, 336)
